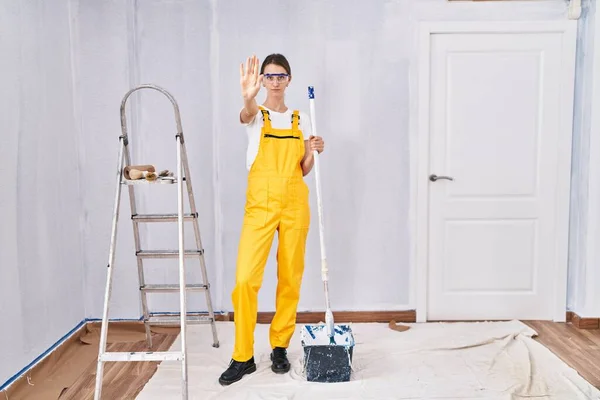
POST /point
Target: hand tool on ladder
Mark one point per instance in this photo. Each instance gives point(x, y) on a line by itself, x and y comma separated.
point(183, 174)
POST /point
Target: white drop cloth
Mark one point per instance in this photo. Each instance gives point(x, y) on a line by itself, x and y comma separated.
point(492, 360)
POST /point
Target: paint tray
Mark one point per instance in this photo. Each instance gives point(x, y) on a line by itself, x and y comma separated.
point(325, 361)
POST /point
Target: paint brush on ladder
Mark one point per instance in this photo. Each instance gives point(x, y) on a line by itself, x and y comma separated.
point(327, 352)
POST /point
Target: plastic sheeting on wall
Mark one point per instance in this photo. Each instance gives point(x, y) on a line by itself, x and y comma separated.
point(581, 269)
point(358, 55)
point(41, 268)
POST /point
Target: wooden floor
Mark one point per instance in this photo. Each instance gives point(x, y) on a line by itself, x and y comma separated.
point(579, 348)
point(121, 380)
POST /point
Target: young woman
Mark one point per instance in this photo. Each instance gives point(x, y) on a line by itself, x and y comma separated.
point(280, 154)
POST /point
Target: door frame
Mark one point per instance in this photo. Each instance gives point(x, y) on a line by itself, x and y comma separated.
point(420, 155)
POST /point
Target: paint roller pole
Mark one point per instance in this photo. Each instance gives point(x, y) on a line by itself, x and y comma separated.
point(324, 270)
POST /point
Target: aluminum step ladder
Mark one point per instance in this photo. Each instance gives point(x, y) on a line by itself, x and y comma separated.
point(184, 318)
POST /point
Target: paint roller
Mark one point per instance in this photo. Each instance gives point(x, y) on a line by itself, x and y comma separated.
point(135, 172)
point(148, 172)
point(329, 322)
point(327, 349)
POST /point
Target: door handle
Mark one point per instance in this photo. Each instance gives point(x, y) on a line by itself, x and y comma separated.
point(434, 178)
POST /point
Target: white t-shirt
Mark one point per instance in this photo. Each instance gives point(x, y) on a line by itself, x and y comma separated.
point(278, 121)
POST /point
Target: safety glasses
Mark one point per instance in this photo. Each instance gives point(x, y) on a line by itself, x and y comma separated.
point(280, 78)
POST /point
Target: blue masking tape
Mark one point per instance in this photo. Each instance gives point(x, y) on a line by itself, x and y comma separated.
point(12, 379)
point(44, 354)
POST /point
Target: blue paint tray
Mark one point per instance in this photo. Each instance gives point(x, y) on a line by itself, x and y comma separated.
point(325, 361)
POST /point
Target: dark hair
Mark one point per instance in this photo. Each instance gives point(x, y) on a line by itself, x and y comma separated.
point(277, 59)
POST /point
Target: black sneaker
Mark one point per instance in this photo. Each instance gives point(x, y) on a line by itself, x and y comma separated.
point(236, 371)
point(280, 364)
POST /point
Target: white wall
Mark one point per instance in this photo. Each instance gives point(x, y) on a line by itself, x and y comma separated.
point(360, 56)
point(41, 284)
point(584, 262)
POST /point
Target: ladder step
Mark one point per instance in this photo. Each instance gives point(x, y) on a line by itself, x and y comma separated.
point(176, 320)
point(168, 253)
point(161, 217)
point(196, 287)
point(142, 356)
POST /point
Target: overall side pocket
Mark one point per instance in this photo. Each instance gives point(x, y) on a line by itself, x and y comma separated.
point(302, 206)
point(257, 202)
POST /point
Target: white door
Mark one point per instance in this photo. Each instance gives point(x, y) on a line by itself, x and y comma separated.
point(496, 232)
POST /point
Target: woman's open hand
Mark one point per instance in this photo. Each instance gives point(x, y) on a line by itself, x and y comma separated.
point(250, 79)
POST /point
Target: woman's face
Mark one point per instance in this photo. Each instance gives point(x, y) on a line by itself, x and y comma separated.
point(275, 80)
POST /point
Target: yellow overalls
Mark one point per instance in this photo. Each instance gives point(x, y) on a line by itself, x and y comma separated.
point(276, 200)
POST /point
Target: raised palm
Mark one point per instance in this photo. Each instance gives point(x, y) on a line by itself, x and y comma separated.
point(250, 79)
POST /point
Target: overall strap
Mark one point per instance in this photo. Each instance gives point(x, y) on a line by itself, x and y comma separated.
point(266, 117)
point(295, 120)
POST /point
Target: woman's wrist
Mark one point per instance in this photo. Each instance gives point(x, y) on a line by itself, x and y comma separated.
point(249, 106)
